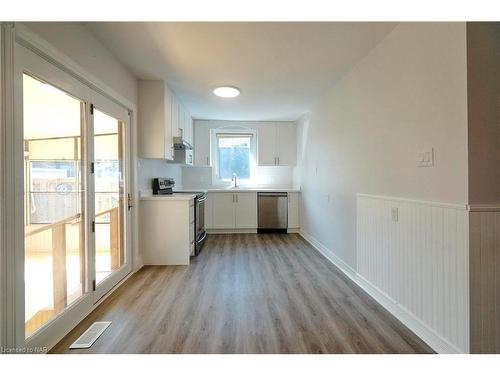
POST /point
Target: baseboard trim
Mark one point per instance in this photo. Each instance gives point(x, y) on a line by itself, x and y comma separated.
point(231, 231)
point(419, 328)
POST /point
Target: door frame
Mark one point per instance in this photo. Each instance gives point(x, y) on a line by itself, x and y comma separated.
point(105, 105)
point(19, 36)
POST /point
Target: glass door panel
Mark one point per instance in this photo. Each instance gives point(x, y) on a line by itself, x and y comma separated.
point(109, 195)
point(54, 245)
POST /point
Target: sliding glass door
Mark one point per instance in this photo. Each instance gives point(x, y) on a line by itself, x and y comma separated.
point(72, 182)
point(54, 207)
point(110, 193)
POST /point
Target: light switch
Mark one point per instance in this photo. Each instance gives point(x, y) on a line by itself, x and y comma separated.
point(426, 158)
point(395, 213)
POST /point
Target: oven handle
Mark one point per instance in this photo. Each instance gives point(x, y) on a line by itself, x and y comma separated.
point(203, 238)
point(201, 199)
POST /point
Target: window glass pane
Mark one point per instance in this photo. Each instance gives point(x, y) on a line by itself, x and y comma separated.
point(108, 155)
point(54, 248)
point(234, 156)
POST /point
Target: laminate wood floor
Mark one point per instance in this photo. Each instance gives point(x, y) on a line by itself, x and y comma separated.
point(246, 293)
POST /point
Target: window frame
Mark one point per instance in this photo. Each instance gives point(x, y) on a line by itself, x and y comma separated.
point(215, 133)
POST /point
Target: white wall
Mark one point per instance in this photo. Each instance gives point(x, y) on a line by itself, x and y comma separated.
point(79, 44)
point(363, 136)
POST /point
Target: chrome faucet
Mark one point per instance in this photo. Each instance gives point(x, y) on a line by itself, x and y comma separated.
point(235, 179)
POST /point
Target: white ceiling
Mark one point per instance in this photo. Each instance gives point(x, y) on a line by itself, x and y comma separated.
point(280, 67)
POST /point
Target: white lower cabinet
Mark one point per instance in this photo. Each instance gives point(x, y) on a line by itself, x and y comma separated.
point(245, 215)
point(232, 211)
point(222, 205)
point(166, 241)
point(293, 210)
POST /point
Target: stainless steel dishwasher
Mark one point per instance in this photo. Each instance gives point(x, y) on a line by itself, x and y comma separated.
point(272, 212)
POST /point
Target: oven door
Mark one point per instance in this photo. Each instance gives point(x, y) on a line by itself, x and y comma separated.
point(200, 217)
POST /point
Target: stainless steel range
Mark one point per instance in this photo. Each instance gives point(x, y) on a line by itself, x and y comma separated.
point(199, 218)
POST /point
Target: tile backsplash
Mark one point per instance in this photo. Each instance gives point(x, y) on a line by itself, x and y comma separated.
point(147, 169)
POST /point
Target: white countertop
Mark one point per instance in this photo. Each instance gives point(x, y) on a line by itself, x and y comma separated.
point(243, 189)
point(169, 197)
point(148, 194)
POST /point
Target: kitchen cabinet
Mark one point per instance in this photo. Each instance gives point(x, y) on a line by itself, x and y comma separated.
point(266, 144)
point(222, 205)
point(245, 210)
point(277, 144)
point(166, 242)
point(182, 125)
point(202, 144)
point(293, 210)
point(233, 210)
point(155, 121)
point(176, 118)
point(286, 144)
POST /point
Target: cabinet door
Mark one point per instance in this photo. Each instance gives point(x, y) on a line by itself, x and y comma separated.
point(201, 143)
point(222, 210)
point(293, 210)
point(151, 119)
point(175, 117)
point(208, 211)
point(266, 144)
point(246, 210)
point(188, 128)
point(286, 137)
point(169, 138)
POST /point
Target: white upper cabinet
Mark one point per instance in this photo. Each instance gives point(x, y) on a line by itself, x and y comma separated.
point(155, 121)
point(176, 118)
point(266, 144)
point(161, 117)
point(277, 144)
point(202, 143)
point(286, 143)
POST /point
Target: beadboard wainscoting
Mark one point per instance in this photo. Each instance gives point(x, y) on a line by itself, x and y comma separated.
point(484, 223)
point(414, 262)
point(415, 255)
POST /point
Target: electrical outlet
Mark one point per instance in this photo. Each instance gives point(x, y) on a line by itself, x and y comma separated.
point(328, 198)
point(395, 213)
point(426, 158)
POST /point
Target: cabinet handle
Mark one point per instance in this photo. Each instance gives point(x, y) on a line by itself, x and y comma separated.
point(237, 199)
point(208, 161)
point(278, 160)
point(233, 198)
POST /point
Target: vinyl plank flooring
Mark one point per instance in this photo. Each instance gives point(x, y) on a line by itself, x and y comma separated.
point(246, 293)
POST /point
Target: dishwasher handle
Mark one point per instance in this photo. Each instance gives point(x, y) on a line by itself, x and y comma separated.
point(272, 194)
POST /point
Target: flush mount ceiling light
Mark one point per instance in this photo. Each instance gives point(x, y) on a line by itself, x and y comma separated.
point(227, 91)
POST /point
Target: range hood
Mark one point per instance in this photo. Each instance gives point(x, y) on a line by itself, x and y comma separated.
point(181, 144)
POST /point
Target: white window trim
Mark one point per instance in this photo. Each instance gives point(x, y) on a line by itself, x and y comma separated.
point(214, 154)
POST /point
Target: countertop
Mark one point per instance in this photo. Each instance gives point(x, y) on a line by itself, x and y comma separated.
point(170, 197)
point(243, 189)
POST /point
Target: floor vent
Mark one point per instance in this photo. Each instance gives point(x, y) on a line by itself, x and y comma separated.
point(90, 335)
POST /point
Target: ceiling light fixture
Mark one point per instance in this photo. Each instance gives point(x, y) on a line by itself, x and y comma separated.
point(227, 91)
